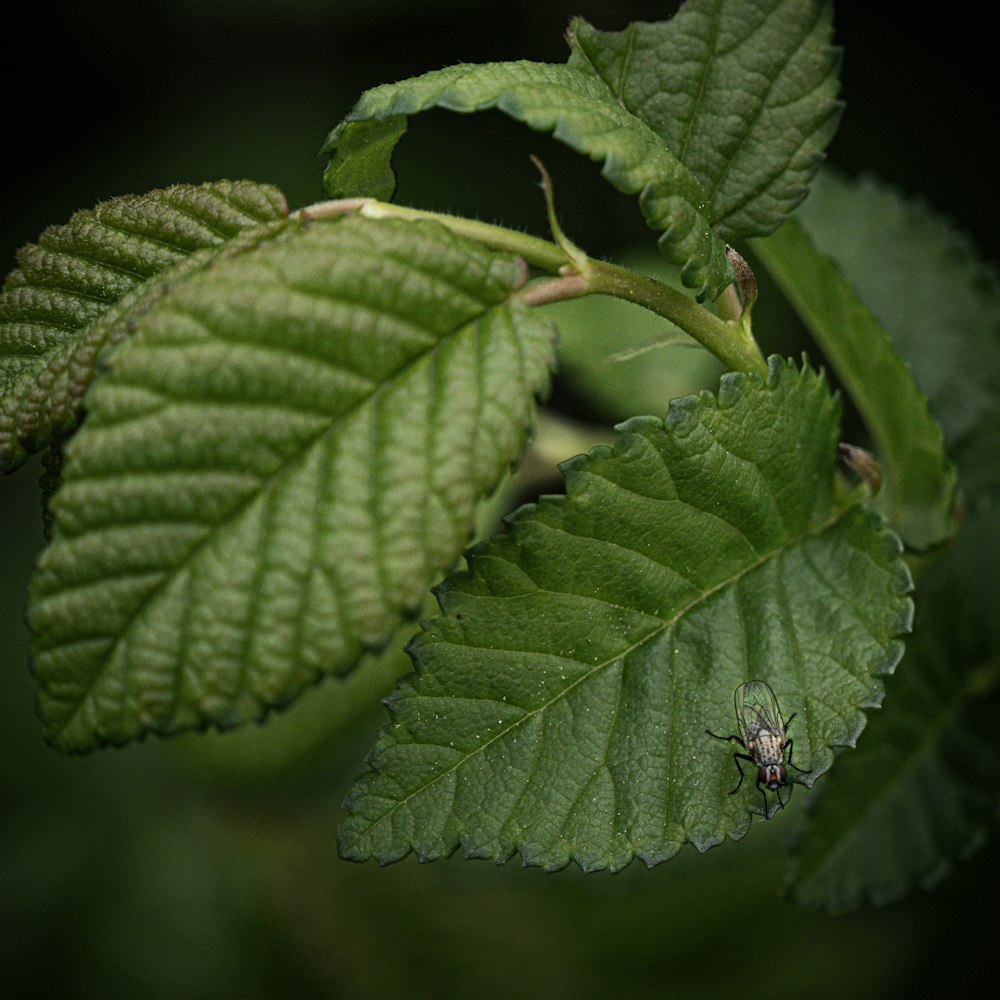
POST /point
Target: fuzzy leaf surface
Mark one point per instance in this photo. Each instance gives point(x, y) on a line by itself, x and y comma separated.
point(743, 93)
point(716, 119)
point(562, 695)
point(275, 468)
point(79, 287)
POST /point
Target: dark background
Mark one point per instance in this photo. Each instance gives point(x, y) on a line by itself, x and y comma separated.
point(146, 872)
point(103, 98)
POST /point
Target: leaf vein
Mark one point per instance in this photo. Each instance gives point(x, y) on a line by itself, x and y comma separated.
point(748, 123)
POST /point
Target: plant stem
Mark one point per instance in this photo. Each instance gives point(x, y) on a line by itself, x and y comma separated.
point(541, 253)
point(726, 339)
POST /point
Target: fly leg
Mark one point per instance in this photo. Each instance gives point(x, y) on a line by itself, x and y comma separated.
point(790, 764)
point(763, 795)
point(737, 757)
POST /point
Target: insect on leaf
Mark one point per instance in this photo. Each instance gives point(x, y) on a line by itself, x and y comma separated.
point(763, 735)
point(562, 695)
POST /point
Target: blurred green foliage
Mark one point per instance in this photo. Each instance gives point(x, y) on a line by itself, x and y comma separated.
point(207, 866)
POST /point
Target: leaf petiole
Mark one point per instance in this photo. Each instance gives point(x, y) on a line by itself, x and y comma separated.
point(538, 252)
point(730, 341)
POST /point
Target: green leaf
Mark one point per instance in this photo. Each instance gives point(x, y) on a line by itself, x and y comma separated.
point(299, 735)
point(579, 110)
point(717, 119)
point(363, 165)
point(742, 91)
point(922, 791)
point(937, 300)
point(278, 463)
point(920, 478)
point(561, 697)
point(77, 289)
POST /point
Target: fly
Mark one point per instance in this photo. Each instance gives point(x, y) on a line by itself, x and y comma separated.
point(764, 736)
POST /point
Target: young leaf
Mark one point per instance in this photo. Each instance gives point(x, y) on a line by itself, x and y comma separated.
point(742, 91)
point(76, 290)
point(717, 119)
point(267, 483)
point(561, 697)
point(923, 789)
point(921, 480)
point(579, 110)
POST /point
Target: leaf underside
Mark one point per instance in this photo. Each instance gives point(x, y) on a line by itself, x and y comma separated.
point(921, 480)
point(77, 289)
point(655, 105)
point(561, 697)
point(578, 109)
point(267, 484)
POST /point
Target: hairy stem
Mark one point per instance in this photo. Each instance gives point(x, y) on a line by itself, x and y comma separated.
point(726, 339)
point(541, 253)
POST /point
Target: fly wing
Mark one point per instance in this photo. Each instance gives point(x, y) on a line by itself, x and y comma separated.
point(756, 710)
